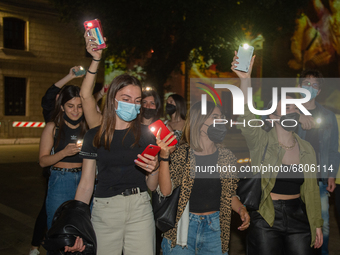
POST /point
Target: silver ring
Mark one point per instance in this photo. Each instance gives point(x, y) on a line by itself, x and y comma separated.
point(147, 166)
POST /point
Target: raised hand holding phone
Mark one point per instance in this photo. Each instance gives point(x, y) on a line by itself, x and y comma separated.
point(164, 143)
point(91, 46)
point(94, 29)
point(159, 125)
point(78, 71)
point(242, 74)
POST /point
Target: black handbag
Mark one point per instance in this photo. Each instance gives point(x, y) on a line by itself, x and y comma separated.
point(165, 208)
point(249, 188)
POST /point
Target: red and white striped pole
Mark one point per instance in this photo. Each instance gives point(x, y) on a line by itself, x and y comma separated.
point(28, 124)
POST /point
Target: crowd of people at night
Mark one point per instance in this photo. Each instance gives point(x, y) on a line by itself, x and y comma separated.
point(93, 154)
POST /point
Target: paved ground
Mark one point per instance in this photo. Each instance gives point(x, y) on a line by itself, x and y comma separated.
point(22, 193)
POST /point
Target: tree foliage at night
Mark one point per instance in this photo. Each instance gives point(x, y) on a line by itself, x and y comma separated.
point(173, 28)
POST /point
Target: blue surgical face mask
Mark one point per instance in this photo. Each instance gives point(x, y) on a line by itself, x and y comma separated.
point(127, 111)
point(313, 92)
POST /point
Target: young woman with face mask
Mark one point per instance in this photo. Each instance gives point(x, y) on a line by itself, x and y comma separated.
point(122, 215)
point(176, 108)
point(289, 217)
point(151, 107)
point(62, 134)
point(206, 198)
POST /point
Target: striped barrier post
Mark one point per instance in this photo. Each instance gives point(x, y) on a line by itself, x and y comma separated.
point(34, 124)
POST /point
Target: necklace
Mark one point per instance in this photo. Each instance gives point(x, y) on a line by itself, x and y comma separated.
point(288, 148)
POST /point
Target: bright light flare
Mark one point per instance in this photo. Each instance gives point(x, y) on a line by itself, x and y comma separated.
point(81, 68)
point(246, 46)
point(89, 24)
point(318, 120)
point(152, 129)
point(148, 88)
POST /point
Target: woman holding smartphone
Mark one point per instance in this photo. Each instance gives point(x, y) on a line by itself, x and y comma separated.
point(289, 217)
point(122, 215)
point(206, 199)
point(60, 137)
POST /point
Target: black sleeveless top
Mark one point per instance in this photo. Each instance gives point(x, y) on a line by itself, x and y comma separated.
point(287, 181)
point(70, 136)
point(206, 191)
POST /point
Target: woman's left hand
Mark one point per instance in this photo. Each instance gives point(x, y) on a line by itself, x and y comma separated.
point(245, 218)
point(318, 239)
point(150, 162)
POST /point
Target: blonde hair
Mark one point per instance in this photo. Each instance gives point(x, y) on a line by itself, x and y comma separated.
point(194, 123)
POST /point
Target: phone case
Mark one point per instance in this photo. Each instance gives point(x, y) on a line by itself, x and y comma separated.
point(80, 72)
point(96, 30)
point(244, 58)
point(150, 150)
point(154, 127)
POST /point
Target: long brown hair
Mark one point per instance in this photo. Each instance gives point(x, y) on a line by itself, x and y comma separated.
point(194, 123)
point(106, 131)
point(66, 94)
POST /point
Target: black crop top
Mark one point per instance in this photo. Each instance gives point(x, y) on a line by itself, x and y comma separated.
point(287, 181)
point(206, 191)
point(117, 170)
point(70, 136)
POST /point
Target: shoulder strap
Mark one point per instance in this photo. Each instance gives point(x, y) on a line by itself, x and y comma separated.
point(186, 159)
point(264, 153)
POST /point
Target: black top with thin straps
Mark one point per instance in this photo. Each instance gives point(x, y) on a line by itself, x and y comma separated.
point(69, 136)
point(288, 181)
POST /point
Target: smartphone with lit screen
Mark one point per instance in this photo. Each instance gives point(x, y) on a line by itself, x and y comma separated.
point(245, 53)
point(94, 28)
point(154, 127)
point(151, 150)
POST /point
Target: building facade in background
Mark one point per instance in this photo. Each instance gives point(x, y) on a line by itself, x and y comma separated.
point(36, 50)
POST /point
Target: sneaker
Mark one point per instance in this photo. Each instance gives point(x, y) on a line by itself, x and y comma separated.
point(34, 252)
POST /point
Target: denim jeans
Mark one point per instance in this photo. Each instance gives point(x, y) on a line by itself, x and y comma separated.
point(203, 237)
point(325, 216)
point(62, 186)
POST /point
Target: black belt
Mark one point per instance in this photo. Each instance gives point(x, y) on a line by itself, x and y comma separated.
point(131, 191)
point(71, 170)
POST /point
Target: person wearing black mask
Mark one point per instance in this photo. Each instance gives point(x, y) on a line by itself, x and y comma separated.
point(151, 107)
point(64, 135)
point(207, 198)
point(176, 109)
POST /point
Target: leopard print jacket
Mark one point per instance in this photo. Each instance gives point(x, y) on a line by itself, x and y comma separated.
point(182, 171)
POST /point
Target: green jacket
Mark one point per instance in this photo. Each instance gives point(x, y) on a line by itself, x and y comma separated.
point(257, 139)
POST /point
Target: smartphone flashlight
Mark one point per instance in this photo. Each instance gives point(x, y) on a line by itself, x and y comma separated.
point(80, 72)
point(89, 24)
point(244, 54)
point(80, 142)
point(246, 46)
point(152, 129)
